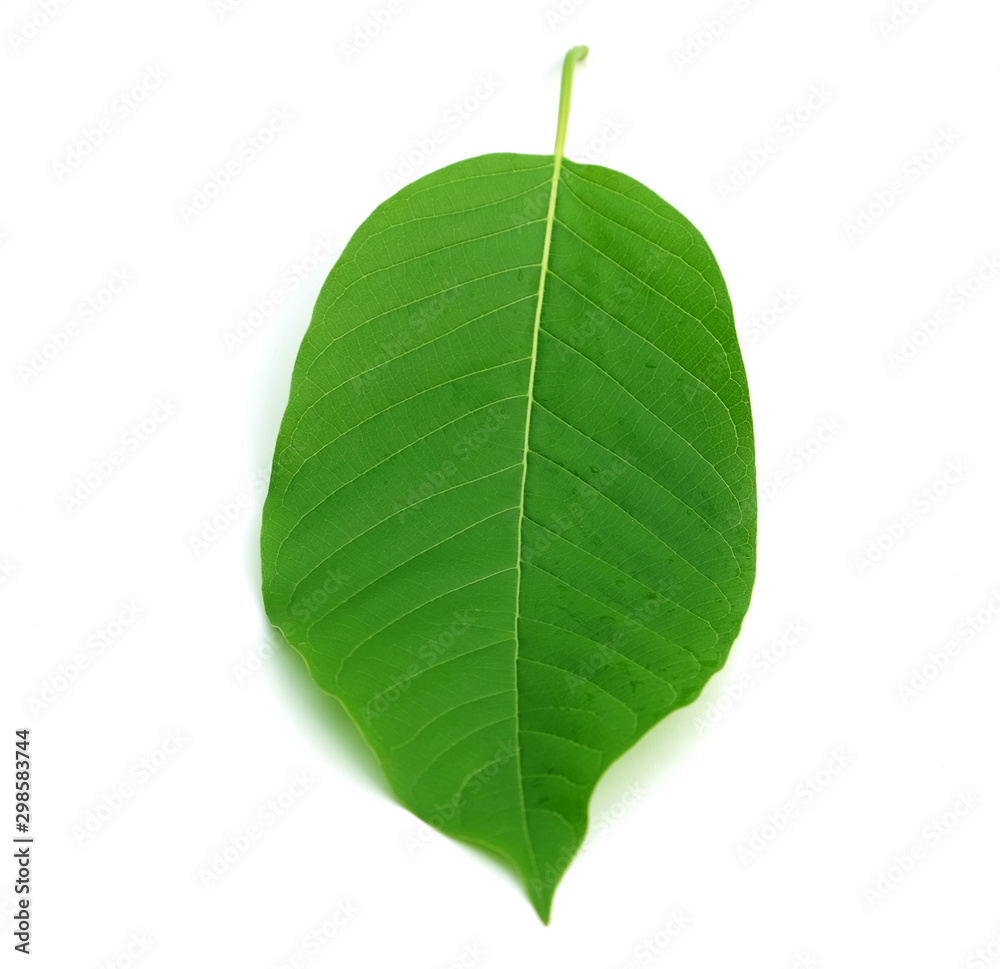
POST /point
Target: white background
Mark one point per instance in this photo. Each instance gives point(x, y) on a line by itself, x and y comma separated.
point(676, 818)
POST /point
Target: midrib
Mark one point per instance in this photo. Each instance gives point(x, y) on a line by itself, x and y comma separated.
point(546, 247)
point(574, 55)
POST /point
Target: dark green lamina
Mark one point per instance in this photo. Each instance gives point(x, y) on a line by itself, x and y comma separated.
point(512, 516)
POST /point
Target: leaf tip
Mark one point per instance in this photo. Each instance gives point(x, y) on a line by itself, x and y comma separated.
point(541, 895)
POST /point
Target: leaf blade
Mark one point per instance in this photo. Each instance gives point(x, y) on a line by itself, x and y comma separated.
point(414, 488)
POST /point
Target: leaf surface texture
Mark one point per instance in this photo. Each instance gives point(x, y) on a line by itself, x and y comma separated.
point(511, 521)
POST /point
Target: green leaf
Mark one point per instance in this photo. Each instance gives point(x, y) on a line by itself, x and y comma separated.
point(511, 522)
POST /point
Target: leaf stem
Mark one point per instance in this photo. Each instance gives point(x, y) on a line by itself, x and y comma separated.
point(573, 57)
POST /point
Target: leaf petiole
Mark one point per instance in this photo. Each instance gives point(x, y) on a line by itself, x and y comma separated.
point(573, 57)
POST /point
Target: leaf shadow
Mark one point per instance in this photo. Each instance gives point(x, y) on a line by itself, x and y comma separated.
point(332, 726)
point(329, 723)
